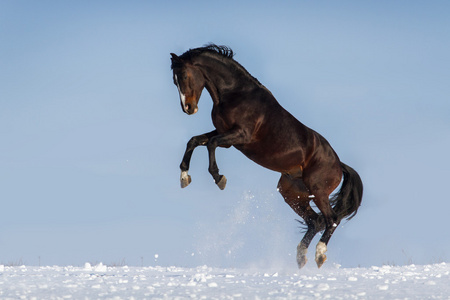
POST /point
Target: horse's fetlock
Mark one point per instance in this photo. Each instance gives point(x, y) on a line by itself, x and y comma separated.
point(184, 167)
point(192, 144)
point(214, 171)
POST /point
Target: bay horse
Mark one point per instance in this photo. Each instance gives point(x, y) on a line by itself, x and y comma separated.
point(247, 116)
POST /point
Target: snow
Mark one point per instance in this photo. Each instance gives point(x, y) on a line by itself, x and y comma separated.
point(332, 282)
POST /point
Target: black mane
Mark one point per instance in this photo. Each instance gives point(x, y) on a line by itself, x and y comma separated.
point(214, 50)
point(211, 48)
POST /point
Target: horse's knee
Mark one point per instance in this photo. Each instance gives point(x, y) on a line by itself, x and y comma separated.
point(193, 143)
point(196, 141)
point(213, 143)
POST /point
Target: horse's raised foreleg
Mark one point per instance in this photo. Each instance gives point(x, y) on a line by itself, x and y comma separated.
point(194, 142)
point(227, 139)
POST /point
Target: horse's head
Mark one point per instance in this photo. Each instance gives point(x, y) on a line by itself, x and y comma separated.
point(190, 83)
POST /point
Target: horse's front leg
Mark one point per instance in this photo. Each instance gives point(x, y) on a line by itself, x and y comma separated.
point(226, 140)
point(194, 142)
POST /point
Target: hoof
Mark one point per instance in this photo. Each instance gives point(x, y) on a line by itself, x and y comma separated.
point(185, 179)
point(301, 256)
point(301, 261)
point(320, 260)
point(320, 254)
point(222, 182)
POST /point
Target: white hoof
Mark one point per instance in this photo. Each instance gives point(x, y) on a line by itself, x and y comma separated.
point(222, 182)
point(185, 179)
point(321, 248)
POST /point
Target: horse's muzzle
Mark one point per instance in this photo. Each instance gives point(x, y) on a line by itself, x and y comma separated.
point(190, 109)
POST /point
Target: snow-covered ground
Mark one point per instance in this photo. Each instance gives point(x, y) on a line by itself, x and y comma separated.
point(332, 282)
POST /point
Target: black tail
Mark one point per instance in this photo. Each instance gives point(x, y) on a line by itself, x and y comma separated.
point(347, 201)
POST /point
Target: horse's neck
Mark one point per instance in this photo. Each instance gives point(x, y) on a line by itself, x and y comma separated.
point(222, 79)
point(213, 92)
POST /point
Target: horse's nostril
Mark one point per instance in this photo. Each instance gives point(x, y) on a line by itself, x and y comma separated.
point(188, 107)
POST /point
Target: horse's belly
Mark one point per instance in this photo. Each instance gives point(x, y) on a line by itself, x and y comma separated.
point(277, 161)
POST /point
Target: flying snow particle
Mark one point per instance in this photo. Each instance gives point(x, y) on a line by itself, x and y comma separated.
point(87, 267)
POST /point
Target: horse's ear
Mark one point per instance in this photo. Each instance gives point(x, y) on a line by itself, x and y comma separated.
point(175, 57)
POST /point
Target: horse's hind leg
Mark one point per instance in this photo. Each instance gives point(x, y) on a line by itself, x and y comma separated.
point(297, 195)
point(331, 222)
point(321, 191)
point(302, 248)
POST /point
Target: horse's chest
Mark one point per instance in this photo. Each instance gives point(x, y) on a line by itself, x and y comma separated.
point(221, 121)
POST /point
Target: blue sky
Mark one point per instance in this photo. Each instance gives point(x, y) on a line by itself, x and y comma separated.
point(93, 134)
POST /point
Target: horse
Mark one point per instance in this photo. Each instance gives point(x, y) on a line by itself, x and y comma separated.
point(247, 116)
